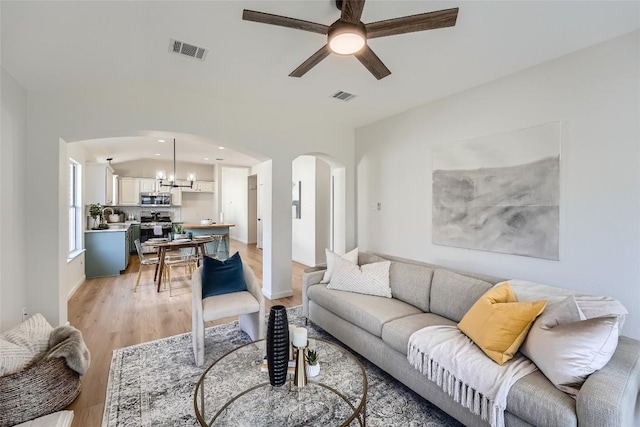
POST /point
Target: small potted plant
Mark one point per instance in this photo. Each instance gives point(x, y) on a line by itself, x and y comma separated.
point(178, 232)
point(95, 210)
point(313, 366)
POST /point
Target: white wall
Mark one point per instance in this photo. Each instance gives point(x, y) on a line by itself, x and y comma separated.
point(595, 93)
point(252, 208)
point(13, 203)
point(323, 210)
point(234, 189)
point(303, 230)
point(310, 233)
point(147, 168)
point(93, 111)
point(74, 269)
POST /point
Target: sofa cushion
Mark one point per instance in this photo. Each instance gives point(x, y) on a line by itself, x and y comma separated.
point(365, 311)
point(498, 323)
point(453, 294)
point(535, 400)
point(567, 348)
point(368, 258)
point(396, 333)
point(411, 283)
point(369, 279)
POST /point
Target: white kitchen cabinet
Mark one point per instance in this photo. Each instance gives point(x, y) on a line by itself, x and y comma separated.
point(129, 191)
point(98, 183)
point(199, 187)
point(148, 185)
point(176, 196)
point(205, 186)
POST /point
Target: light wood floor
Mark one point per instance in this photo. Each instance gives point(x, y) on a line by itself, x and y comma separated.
point(110, 315)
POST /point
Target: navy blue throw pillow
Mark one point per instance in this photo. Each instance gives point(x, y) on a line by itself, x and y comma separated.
point(222, 277)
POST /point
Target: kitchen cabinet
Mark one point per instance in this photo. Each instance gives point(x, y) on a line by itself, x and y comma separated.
point(129, 191)
point(98, 183)
point(135, 235)
point(176, 196)
point(107, 252)
point(148, 185)
point(199, 187)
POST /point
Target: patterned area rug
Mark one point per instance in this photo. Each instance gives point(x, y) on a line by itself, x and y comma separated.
point(152, 384)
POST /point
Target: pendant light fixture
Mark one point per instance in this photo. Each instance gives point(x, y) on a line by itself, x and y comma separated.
point(171, 182)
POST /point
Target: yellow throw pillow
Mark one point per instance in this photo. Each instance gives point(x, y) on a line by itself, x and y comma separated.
point(498, 323)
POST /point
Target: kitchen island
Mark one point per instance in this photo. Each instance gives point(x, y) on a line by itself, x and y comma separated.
point(219, 247)
point(107, 250)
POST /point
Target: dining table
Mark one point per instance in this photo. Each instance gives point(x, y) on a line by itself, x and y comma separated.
point(165, 245)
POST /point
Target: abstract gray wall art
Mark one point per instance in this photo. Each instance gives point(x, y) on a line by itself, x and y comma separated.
point(500, 193)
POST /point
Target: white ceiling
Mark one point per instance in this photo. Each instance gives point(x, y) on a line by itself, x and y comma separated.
point(53, 44)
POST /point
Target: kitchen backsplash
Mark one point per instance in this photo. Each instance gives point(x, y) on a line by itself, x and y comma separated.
point(176, 214)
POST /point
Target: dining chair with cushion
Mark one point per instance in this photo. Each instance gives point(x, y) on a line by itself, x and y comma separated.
point(144, 261)
point(222, 289)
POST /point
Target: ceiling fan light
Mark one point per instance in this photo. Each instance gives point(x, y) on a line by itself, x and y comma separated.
point(346, 39)
point(346, 43)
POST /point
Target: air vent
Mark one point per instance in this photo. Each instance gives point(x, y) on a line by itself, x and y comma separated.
point(343, 96)
point(188, 49)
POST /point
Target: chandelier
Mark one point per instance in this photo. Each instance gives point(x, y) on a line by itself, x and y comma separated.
point(163, 181)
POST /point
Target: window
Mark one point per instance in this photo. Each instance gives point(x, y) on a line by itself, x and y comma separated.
point(75, 207)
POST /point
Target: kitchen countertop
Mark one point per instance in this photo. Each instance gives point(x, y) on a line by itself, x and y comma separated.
point(115, 227)
point(196, 226)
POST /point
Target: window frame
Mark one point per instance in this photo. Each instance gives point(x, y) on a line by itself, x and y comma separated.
point(74, 202)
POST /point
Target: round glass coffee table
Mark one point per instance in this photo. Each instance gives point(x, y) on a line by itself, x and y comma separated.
point(235, 391)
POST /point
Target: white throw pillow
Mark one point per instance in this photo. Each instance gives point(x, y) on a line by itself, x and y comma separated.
point(351, 256)
point(13, 357)
point(590, 305)
point(33, 334)
point(370, 279)
point(567, 347)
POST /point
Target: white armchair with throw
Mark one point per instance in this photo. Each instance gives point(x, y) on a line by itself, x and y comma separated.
point(219, 292)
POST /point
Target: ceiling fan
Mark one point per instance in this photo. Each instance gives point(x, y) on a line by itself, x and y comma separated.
point(348, 35)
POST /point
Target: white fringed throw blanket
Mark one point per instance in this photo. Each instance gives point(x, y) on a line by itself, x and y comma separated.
point(450, 359)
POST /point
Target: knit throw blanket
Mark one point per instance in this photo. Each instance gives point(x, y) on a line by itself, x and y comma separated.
point(450, 359)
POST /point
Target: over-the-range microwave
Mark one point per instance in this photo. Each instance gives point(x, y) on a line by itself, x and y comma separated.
point(155, 199)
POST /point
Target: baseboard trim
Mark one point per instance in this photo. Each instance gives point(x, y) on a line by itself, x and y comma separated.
point(76, 286)
point(277, 295)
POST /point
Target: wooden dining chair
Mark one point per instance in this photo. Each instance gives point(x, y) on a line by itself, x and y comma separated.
point(144, 261)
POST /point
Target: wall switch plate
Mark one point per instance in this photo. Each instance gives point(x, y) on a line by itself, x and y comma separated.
point(379, 206)
point(24, 314)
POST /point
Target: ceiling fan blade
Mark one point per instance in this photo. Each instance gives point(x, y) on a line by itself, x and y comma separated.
point(409, 24)
point(283, 21)
point(370, 60)
point(352, 11)
point(311, 62)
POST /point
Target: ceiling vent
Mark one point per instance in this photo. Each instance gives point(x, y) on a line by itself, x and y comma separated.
point(187, 49)
point(343, 96)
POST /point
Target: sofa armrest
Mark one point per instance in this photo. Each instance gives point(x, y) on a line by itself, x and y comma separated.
point(610, 397)
point(308, 279)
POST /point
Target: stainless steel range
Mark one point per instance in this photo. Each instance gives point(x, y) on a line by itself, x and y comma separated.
point(154, 224)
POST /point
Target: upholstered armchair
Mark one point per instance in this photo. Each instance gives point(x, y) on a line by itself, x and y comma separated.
point(248, 305)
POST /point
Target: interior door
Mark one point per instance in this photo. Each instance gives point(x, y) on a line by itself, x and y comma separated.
point(259, 209)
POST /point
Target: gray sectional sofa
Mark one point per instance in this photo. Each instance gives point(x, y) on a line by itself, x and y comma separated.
point(379, 329)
